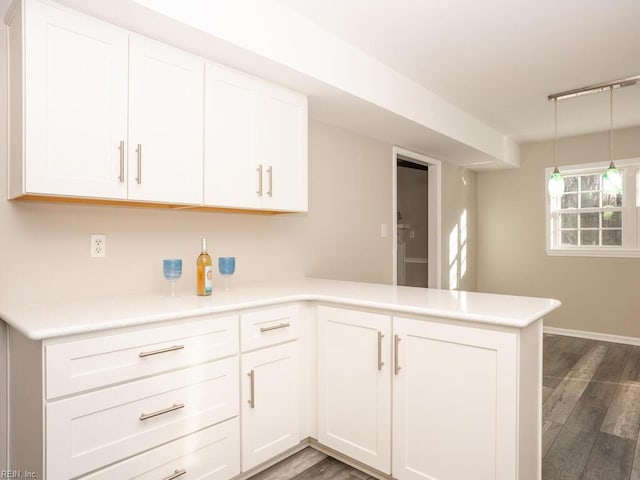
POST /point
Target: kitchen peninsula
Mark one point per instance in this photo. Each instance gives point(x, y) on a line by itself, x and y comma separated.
point(402, 382)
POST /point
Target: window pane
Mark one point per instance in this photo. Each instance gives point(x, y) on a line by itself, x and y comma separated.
point(570, 184)
point(589, 200)
point(611, 200)
point(589, 237)
point(589, 220)
point(569, 200)
point(569, 220)
point(569, 237)
point(589, 182)
point(612, 237)
point(612, 220)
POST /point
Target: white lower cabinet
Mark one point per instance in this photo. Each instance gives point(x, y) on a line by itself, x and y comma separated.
point(90, 431)
point(414, 398)
point(454, 402)
point(210, 454)
point(354, 385)
point(271, 396)
point(454, 391)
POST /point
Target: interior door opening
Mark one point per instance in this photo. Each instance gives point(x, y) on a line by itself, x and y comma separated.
point(412, 224)
point(416, 202)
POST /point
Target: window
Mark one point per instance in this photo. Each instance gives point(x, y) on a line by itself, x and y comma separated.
point(585, 220)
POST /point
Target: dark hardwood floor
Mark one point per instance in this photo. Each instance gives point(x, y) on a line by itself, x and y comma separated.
point(590, 410)
point(590, 418)
point(309, 464)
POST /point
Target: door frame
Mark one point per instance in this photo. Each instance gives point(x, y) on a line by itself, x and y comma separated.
point(434, 213)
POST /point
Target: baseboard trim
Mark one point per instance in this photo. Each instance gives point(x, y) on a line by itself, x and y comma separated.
point(604, 337)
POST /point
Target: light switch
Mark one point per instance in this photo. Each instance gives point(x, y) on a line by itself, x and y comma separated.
point(384, 230)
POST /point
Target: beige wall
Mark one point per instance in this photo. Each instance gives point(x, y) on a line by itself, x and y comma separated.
point(46, 247)
point(598, 294)
point(459, 195)
point(350, 187)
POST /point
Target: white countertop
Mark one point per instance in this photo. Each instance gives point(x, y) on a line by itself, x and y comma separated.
point(40, 321)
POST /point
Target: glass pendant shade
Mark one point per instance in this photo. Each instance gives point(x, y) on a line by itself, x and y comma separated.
point(612, 180)
point(556, 183)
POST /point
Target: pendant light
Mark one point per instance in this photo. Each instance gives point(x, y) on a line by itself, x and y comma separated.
point(556, 182)
point(612, 179)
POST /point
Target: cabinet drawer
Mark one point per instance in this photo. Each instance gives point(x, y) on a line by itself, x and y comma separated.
point(89, 431)
point(211, 454)
point(269, 326)
point(101, 361)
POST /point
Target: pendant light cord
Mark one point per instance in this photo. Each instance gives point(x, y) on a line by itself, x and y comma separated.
point(555, 133)
point(611, 127)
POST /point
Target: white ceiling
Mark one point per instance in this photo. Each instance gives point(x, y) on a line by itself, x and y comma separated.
point(499, 59)
point(494, 59)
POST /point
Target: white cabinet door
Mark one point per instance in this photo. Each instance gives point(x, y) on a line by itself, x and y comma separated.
point(354, 385)
point(165, 123)
point(270, 403)
point(209, 454)
point(75, 104)
point(90, 431)
point(454, 401)
point(232, 140)
point(284, 149)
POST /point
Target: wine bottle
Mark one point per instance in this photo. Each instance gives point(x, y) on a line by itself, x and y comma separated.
point(205, 272)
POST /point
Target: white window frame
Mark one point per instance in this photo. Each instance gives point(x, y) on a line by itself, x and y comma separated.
point(630, 212)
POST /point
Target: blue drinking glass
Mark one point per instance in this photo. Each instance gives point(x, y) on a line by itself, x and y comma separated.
point(172, 270)
point(227, 267)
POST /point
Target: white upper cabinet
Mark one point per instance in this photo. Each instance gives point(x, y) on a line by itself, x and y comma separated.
point(165, 123)
point(232, 146)
point(255, 143)
point(75, 102)
point(97, 112)
point(284, 147)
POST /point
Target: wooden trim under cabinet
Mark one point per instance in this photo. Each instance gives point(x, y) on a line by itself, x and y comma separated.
point(128, 203)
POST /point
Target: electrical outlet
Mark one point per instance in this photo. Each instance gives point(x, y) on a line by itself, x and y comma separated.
point(98, 245)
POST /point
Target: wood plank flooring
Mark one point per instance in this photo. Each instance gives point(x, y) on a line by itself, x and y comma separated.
point(309, 464)
point(590, 426)
point(591, 410)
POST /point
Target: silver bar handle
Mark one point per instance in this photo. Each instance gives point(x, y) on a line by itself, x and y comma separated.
point(380, 362)
point(259, 170)
point(275, 327)
point(173, 348)
point(270, 172)
point(172, 408)
point(252, 382)
point(139, 152)
point(176, 473)
point(121, 147)
point(396, 340)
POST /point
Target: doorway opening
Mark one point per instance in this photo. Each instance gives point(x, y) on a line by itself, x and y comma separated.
point(416, 211)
